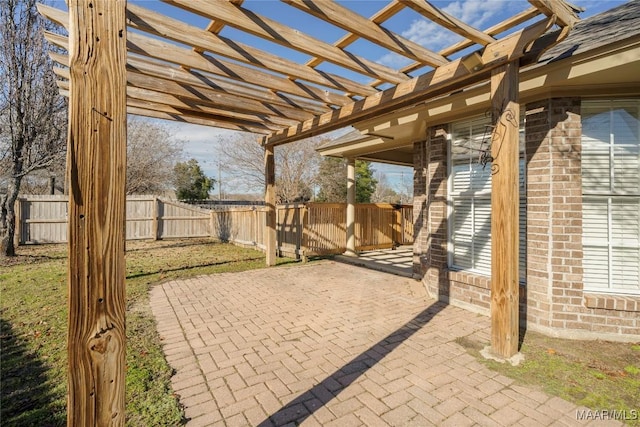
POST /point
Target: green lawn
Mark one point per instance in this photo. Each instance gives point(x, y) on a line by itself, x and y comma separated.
point(33, 325)
point(599, 375)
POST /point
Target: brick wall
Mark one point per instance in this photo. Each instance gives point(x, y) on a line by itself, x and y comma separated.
point(419, 206)
point(557, 303)
point(553, 300)
point(430, 211)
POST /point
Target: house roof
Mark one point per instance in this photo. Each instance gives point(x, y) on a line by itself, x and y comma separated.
point(222, 76)
point(611, 26)
point(614, 26)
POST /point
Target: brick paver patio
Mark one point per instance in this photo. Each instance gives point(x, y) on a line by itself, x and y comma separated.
point(333, 345)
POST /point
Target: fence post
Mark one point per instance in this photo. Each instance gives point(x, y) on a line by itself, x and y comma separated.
point(156, 213)
point(303, 233)
point(17, 236)
point(212, 223)
point(397, 226)
point(254, 218)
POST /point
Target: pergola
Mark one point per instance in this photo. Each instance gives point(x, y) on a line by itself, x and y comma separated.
point(123, 58)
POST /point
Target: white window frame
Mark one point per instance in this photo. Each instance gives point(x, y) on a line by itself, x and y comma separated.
point(601, 234)
point(481, 268)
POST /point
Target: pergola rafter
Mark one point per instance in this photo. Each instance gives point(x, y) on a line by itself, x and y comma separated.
point(216, 73)
point(124, 58)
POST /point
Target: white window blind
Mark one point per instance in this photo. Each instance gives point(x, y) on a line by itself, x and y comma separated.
point(470, 198)
point(611, 195)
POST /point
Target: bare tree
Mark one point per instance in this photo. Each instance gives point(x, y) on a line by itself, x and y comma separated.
point(296, 166)
point(32, 113)
point(152, 153)
point(384, 192)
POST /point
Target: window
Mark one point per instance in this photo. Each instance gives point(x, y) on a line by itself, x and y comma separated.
point(470, 197)
point(611, 195)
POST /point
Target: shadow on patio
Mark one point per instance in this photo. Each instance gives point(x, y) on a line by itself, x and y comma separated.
point(327, 343)
point(306, 404)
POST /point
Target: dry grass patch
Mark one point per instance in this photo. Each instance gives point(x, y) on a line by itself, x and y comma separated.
point(600, 375)
point(33, 316)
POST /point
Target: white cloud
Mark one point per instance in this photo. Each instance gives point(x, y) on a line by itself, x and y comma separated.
point(477, 13)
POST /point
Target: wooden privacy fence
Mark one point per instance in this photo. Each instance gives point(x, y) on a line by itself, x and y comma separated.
point(303, 229)
point(43, 219)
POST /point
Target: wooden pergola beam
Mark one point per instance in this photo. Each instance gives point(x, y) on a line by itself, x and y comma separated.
point(185, 117)
point(441, 80)
point(195, 80)
point(171, 29)
point(154, 23)
point(505, 25)
point(260, 26)
point(391, 9)
point(152, 109)
point(206, 101)
point(152, 48)
point(565, 14)
point(96, 165)
point(163, 102)
point(450, 22)
point(344, 18)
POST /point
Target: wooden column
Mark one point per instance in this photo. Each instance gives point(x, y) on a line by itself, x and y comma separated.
point(504, 210)
point(351, 208)
point(96, 164)
point(270, 203)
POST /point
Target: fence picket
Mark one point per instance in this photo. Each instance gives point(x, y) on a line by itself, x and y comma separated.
point(304, 229)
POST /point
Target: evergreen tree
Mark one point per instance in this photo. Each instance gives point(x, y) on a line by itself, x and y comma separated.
point(365, 182)
point(190, 181)
point(332, 177)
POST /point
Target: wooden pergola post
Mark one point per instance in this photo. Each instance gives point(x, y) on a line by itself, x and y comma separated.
point(351, 208)
point(504, 210)
point(270, 203)
point(96, 166)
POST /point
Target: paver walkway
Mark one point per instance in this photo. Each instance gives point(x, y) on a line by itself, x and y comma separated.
point(333, 345)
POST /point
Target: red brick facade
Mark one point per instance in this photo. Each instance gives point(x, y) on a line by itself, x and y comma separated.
point(552, 300)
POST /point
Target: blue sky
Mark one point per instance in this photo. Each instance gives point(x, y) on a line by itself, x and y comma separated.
point(201, 142)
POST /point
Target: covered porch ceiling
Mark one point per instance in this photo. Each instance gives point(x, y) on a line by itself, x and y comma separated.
point(224, 74)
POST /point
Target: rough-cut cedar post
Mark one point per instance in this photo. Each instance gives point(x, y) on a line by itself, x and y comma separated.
point(96, 163)
point(351, 207)
point(270, 203)
point(504, 210)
